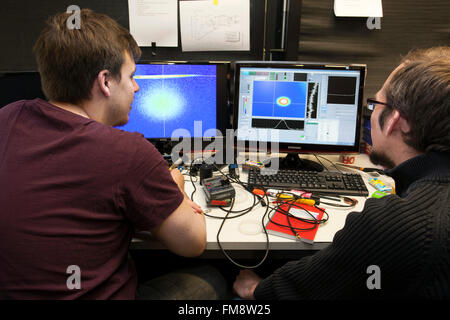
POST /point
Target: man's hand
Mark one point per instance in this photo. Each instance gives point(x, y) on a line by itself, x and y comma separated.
point(246, 283)
point(179, 179)
point(193, 205)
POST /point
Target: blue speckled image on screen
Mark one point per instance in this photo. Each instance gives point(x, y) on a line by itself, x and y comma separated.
point(266, 95)
point(172, 97)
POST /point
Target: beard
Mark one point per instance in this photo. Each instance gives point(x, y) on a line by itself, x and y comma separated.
point(380, 158)
point(117, 116)
point(120, 122)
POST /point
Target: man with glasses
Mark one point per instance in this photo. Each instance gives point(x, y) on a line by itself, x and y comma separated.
point(403, 237)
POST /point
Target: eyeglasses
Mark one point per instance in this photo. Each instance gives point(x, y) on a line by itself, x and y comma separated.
point(372, 102)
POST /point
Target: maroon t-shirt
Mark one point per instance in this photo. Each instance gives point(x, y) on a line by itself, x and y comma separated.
point(72, 191)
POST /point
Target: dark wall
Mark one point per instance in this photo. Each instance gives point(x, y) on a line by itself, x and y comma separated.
point(406, 24)
point(22, 21)
point(323, 37)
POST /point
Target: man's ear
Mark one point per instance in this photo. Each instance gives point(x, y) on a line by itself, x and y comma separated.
point(104, 82)
point(396, 121)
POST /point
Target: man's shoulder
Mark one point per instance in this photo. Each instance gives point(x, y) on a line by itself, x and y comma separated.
point(133, 137)
point(424, 202)
point(117, 135)
point(38, 102)
point(101, 142)
point(124, 142)
point(432, 182)
point(420, 192)
point(13, 106)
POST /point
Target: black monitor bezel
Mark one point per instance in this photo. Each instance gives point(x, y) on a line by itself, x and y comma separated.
point(300, 147)
point(223, 121)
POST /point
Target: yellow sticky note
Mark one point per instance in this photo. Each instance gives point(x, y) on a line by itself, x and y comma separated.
point(216, 2)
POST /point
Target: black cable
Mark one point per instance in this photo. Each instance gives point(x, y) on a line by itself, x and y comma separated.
point(269, 209)
point(229, 257)
point(321, 162)
point(292, 203)
point(190, 176)
point(314, 220)
point(242, 212)
point(329, 162)
point(337, 205)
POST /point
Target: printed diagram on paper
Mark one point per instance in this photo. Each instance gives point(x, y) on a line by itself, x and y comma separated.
point(209, 27)
point(206, 25)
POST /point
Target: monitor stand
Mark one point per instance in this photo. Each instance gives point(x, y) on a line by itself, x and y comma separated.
point(293, 161)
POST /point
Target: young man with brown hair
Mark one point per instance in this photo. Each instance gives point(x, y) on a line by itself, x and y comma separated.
point(74, 189)
point(398, 247)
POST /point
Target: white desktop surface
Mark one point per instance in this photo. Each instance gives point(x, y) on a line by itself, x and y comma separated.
point(246, 232)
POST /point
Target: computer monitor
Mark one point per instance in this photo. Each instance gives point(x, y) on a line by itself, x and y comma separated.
point(299, 107)
point(180, 99)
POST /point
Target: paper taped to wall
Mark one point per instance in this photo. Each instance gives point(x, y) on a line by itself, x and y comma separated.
point(215, 25)
point(358, 8)
point(154, 21)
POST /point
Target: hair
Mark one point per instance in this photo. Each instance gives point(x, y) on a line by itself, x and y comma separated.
point(69, 60)
point(420, 91)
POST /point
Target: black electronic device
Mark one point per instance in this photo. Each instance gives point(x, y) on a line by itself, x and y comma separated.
point(298, 107)
point(206, 171)
point(218, 191)
point(346, 184)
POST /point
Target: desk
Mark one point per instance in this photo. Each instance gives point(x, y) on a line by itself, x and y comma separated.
point(246, 232)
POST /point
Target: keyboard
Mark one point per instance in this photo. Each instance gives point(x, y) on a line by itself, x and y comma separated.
point(335, 183)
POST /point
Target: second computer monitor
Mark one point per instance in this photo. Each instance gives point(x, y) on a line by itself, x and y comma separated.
point(302, 107)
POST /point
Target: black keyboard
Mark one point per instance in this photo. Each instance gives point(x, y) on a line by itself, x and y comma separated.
point(346, 184)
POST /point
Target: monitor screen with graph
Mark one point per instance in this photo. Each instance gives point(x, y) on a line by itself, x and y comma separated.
point(304, 107)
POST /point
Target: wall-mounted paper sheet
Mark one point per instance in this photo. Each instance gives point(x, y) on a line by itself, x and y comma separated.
point(215, 25)
point(358, 8)
point(154, 21)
